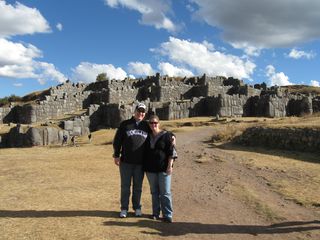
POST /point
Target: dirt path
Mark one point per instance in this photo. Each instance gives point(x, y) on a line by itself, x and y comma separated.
point(207, 203)
point(73, 193)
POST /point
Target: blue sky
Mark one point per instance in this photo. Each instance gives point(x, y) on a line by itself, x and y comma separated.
point(44, 43)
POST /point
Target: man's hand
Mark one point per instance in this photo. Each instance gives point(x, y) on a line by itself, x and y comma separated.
point(116, 161)
point(173, 140)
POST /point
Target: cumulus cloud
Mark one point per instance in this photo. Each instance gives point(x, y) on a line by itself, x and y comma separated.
point(59, 26)
point(141, 69)
point(315, 83)
point(173, 71)
point(18, 60)
point(48, 72)
point(88, 72)
point(297, 54)
point(19, 19)
point(17, 53)
point(279, 79)
point(154, 12)
point(262, 24)
point(203, 59)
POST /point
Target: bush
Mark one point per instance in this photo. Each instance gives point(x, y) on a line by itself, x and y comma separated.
point(11, 98)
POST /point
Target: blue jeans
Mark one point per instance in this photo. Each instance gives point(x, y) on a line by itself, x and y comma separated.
point(135, 173)
point(160, 187)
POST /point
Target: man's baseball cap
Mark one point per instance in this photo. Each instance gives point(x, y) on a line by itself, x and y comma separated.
point(141, 106)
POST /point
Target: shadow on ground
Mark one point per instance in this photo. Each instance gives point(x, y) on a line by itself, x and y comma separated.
point(183, 228)
point(173, 229)
point(52, 213)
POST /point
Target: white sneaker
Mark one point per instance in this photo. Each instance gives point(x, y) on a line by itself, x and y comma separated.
point(138, 213)
point(123, 213)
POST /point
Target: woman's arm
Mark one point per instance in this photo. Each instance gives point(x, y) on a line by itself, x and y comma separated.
point(170, 166)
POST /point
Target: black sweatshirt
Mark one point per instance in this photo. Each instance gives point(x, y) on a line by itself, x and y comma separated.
point(158, 152)
point(129, 141)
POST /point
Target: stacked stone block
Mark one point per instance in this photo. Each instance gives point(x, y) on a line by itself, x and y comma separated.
point(4, 112)
point(231, 105)
point(299, 139)
point(63, 99)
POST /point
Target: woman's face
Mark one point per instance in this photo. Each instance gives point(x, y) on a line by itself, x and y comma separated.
point(154, 124)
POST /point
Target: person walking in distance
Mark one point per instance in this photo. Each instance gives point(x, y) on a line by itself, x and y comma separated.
point(129, 145)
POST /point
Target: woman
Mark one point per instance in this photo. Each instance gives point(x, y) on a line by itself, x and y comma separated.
point(158, 163)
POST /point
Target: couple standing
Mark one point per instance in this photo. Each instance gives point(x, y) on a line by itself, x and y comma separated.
point(141, 146)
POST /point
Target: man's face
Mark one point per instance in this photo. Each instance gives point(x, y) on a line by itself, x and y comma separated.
point(139, 114)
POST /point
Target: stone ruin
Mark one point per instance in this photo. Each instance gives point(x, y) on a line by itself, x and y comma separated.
point(107, 103)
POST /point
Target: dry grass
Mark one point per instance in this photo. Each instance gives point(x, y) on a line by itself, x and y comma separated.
point(303, 89)
point(253, 201)
point(4, 128)
point(62, 192)
point(293, 175)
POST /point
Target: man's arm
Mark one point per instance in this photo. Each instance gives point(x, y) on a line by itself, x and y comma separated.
point(117, 144)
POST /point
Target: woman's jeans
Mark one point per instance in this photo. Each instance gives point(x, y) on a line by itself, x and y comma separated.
point(160, 187)
point(135, 173)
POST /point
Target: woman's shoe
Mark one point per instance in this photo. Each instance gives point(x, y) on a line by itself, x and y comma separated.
point(167, 219)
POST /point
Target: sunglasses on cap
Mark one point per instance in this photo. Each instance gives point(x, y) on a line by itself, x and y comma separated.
point(141, 110)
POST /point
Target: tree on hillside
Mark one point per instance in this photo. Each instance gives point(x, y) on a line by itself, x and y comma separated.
point(102, 77)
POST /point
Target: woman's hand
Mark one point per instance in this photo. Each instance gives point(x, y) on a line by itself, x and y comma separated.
point(170, 166)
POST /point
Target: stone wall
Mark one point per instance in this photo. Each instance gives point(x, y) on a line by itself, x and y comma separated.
point(4, 113)
point(316, 104)
point(23, 136)
point(231, 105)
point(299, 105)
point(28, 136)
point(299, 139)
point(63, 99)
point(109, 102)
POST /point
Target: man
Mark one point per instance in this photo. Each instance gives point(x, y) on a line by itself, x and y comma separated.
point(128, 145)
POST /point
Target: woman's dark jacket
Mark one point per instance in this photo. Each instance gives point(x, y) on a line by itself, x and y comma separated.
point(157, 152)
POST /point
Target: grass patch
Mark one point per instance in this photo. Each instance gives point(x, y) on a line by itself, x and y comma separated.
point(252, 200)
point(293, 175)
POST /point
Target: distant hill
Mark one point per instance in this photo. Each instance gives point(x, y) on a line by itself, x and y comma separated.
point(303, 89)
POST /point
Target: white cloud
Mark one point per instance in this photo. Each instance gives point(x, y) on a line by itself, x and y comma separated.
point(248, 49)
point(173, 71)
point(59, 26)
point(18, 61)
point(19, 19)
point(17, 53)
point(153, 12)
point(88, 72)
point(132, 76)
point(315, 83)
point(198, 57)
point(18, 84)
point(279, 79)
point(47, 71)
point(296, 54)
point(262, 24)
point(139, 68)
